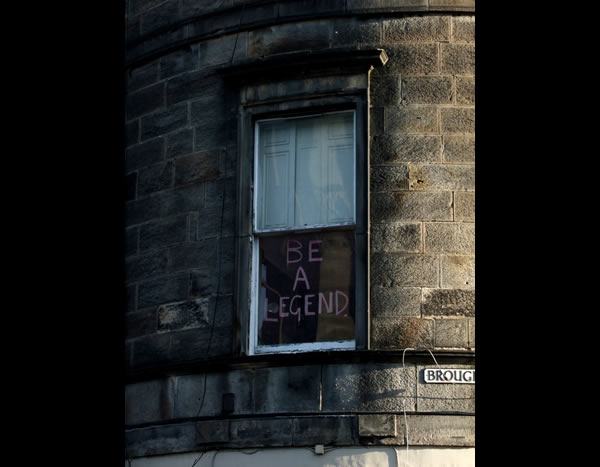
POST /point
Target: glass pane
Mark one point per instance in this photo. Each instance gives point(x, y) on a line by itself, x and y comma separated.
point(307, 288)
point(306, 172)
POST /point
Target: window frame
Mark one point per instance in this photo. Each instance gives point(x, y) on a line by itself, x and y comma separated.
point(250, 112)
point(338, 345)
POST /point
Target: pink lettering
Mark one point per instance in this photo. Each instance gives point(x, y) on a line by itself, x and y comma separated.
point(296, 250)
point(306, 303)
point(266, 316)
point(311, 250)
point(328, 306)
point(298, 278)
point(337, 307)
point(292, 306)
point(282, 306)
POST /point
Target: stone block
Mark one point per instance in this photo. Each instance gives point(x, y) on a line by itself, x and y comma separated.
point(158, 440)
point(161, 16)
point(286, 389)
point(197, 167)
point(212, 431)
point(458, 59)
point(464, 206)
point(465, 90)
point(179, 316)
point(163, 233)
point(149, 401)
point(427, 90)
point(164, 290)
point(463, 29)
point(444, 397)
point(376, 121)
point(392, 302)
point(211, 224)
point(377, 425)
point(351, 31)
point(133, 29)
point(180, 143)
point(411, 119)
point(458, 120)
point(180, 61)
point(155, 178)
point(142, 76)
point(451, 333)
point(142, 210)
point(397, 237)
point(222, 50)
point(448, 302)
point(150, 350)
point(190, 392)
point(401, 333)
point(163, 121)
point(262, 432)
point(393, 149)
point(132, 133)
point(452, 5)
point(368, 387)
point(471, 331)
point(301, 7)
point(459, 148)
point(195, 8)
point(191, 85)
point(410, 59)
point(146, 266)
point(130, 186)
point(140, 323)
point(389, 178)
point(417, 29)
point(404, 270)
point(203, 283)
point(450, 238)
point(395, 5)
point(131, 293)
point(140, 6)
point(457, 271)
point(144, 154)
point(384, 90)
point(183, 199)
point(216, 190)
point(411, 206)
point(201, 343)
point(438, 430)
point(145, 100)
point(310, 35)
point(437, 177)
point(201, 254)
point(330, 431)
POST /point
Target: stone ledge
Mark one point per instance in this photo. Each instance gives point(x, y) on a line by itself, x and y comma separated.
point(196, 27)
point(338, 430)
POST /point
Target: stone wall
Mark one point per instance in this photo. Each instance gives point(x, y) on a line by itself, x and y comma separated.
point(180, 166)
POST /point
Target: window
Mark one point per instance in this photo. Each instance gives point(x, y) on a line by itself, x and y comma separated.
point(303, 270)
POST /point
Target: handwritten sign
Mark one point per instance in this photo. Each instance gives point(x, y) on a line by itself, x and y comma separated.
point(306, 288)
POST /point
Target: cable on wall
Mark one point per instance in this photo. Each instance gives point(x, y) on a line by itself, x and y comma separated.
point(404, 404)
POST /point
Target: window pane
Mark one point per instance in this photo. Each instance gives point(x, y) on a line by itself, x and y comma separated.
point(306, 172)
point(275, 174)
point(306, 291)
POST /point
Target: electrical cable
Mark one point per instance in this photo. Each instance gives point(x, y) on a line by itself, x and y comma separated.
point(198, 458)
point(212, 325)
point(404, 410)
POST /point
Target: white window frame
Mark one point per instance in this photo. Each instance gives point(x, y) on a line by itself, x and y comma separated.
point(254, 348)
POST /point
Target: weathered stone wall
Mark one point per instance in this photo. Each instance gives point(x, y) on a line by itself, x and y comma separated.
point(180, 165)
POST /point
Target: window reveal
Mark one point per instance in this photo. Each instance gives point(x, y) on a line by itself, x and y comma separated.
point(305, 282)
